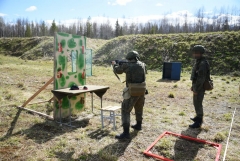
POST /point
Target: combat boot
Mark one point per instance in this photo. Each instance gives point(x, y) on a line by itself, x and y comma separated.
point(137, 126)
point(124, 135)
point(197, 123)
point(194, 119)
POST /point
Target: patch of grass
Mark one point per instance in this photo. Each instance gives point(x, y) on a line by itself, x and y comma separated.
point(20, 85)
point(9, 96)
point(164, 146)
point(13, 141)
point(166, 120)
point(49, 108)
point(164, 108)
point(175, 86)
point(227, 116)
point(164, 143)
point(170, 95)
point(182, 113)
point(88, 141)
point(106, 156)
point(220, 136)
point(206, 128)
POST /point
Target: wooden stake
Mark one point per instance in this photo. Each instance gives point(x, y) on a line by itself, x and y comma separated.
point(39, 102)
point(39, 113)
point(35, 94)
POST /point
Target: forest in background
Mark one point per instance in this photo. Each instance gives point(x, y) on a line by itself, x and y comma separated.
point(224, 19)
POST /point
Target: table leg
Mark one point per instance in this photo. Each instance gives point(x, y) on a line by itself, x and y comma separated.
point(101, 102)
point(60, 109)
point(114, 121)
point(92, 101)
point(70, 111)
point(102, 118)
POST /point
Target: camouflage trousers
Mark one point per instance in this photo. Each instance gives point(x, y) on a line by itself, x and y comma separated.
point(197, 102)
point(127, 105)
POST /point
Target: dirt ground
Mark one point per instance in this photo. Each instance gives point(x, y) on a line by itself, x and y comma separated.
point(25, 136)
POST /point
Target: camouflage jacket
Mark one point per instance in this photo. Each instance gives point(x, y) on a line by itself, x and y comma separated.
point(135, 71)
point(199, 74)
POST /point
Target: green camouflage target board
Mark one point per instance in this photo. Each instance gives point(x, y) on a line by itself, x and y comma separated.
point(69, 69)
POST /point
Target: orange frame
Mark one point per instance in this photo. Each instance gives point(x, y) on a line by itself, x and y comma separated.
point(149, 153)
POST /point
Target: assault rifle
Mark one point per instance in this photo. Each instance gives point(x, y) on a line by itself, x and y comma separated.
point(120, 62)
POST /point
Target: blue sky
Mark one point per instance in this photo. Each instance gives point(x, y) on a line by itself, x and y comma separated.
point(67, 10)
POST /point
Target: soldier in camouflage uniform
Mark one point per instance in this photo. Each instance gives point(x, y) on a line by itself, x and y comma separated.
point(135, 73)
point(198, 77)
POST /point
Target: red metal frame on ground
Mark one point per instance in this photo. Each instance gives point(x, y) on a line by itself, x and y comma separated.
point(149, 153)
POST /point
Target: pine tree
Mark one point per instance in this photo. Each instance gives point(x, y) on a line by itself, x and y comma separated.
point(117, 29)
point(121, 31)
point(53, 28)
point(28, 31)
point(88, 31)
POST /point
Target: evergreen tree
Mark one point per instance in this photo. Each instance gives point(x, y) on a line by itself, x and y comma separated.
point(53, 28)
point(117, 29)
point(88, 31)
point(28, 31)
point(121, 31)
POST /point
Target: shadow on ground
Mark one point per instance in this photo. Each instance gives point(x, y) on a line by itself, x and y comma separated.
point(43, 132)
point(110, 152)
point(167, 80)
point(98, 134)
point(187, 149)
point(12, 126)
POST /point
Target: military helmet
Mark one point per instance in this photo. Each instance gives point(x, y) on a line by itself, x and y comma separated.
point(132, 55)
point(199, 48)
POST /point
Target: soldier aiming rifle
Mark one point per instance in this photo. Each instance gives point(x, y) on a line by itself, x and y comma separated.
point(134, 93)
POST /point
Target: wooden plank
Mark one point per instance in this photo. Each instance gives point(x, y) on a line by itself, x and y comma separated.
point(36, 112)
point(35, 94)
point(8, 105)
point(111, 108)
point(114, 108)
point(39, 102)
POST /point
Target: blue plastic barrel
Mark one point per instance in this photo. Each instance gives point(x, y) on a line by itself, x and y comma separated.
point(172, 70)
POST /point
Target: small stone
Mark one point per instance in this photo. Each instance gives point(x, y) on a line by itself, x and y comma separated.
point(229, 107)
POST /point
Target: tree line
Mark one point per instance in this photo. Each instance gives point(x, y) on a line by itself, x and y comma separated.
point(218, 21)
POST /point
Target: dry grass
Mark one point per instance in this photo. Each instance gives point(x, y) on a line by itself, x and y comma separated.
point(29, 137)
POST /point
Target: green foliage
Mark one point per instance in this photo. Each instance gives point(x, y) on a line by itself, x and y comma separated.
point(182, 113)
point(220, 136)
point(171, 95)
point(227, 116)
point(53, 28)
point(36, 47)
point(28, 32)
point(164, 146)
point(221, 49)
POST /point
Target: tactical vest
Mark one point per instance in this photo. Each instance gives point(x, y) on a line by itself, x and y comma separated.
point(195, 69)
point(135, 72)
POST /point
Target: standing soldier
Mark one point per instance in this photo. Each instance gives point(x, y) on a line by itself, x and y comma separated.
point(199, 74)
point(135, 74)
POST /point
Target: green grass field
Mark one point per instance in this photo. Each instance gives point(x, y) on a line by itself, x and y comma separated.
point(24, 136)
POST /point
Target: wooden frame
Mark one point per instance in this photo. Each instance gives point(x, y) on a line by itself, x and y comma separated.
point(149, 153)
point(33, 96)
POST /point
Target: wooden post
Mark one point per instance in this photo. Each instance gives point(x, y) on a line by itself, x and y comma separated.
point(39, 113)
point(35, 94)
